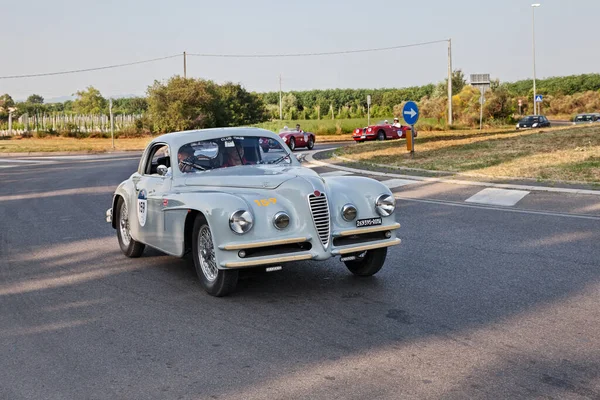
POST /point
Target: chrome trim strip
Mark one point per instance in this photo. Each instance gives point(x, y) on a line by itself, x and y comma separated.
point(342, 251)
point(267, 261)
point(254, 245)
point(367, 230)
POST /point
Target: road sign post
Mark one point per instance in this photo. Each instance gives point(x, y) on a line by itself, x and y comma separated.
point(520, 107)
point(368, 109)
point(539, 99)
point(483, 82)
point(410, 112)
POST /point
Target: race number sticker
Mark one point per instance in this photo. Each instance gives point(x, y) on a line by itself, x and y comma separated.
point(142, 207)
point(306, 138)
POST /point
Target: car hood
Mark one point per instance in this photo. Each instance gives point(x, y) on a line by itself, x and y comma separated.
point(249, 176)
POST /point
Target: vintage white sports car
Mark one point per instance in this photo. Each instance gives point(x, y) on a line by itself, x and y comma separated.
point(217, 194)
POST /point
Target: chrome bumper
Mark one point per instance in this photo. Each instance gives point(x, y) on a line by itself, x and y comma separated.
point(109, 215)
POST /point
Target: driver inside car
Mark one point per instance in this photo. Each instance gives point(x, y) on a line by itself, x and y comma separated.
point(184, 156)
point(234, 156)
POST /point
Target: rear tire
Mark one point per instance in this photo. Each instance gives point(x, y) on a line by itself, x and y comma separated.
point(369, 264)
point(311, 143)
point(215, 281)
point(292, 144)
point(129, 247)
point(381, 135)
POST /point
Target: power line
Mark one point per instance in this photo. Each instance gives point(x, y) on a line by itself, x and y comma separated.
point(75, 71)
point(329, 53)
point(315, 54)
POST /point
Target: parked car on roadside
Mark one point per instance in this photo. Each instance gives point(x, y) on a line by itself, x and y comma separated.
point(381, 131)
point(215, 194)
point(533, 121)
point(586, 118)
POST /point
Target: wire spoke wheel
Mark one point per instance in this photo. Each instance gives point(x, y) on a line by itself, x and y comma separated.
point(206, 254)
point(124, 225)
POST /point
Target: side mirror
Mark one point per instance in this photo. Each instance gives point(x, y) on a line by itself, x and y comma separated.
point(162, 170)
point(301, 157)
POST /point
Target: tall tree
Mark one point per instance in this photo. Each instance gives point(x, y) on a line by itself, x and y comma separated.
point(35, 99)
point(5, 102)
point(183, 104)
point(90, 101)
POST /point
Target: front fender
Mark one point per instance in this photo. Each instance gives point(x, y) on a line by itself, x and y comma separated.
point(124, 190)
point(357, 190)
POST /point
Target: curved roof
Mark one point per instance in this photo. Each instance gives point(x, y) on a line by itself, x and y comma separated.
point(177, 139)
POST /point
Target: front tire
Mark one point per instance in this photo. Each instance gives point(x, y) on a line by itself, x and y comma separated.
point(129, 247)
point(215, 281)
point(311, 143)
point(368, 263)
point(381, 135)
point(292, 144)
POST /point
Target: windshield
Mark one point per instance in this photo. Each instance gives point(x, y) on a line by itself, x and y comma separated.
point(529, 120)
point(230, 151)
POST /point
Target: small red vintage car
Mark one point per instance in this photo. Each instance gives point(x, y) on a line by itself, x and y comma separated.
point(382, 131)
point(294, 138)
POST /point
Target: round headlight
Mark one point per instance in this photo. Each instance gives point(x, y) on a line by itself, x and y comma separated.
point(385, 205)
point(281, 220)
point(241, 221)
point(349, 212)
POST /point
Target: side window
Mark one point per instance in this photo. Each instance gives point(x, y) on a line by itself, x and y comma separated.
point(158, 155)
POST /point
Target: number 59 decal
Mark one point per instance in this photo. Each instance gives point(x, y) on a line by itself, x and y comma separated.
point(266, 202)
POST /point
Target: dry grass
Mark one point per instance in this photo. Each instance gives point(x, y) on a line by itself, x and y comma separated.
point(560, 154)
point(96, 145)
point(60, 144)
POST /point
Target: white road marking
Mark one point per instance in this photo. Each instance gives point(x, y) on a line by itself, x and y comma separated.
point(513, 210)
point(394, 183)
point(336, 173)
point(498, 197)
point(21, 161)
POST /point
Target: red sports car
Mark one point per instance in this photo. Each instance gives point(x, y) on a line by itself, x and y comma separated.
point(381, 131)
point(294, 138)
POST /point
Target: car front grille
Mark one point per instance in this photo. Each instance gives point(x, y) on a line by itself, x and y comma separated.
point(319, 209)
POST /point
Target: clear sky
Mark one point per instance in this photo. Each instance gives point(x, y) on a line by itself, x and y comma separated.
point(488, 36)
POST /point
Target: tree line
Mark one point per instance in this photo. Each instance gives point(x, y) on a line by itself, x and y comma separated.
point(181, 103)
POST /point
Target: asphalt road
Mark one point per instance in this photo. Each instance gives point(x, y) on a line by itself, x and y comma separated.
point(476, 303)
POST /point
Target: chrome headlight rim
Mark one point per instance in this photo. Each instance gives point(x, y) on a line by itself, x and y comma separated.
point(241, 221)
point(281, 215)
point(348, 208)
point(385, 205)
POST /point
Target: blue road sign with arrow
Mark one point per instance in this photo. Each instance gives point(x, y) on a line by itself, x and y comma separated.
point(539, 98)
point(410, 113)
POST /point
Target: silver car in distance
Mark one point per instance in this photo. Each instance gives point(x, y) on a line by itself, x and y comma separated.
point(217, 194)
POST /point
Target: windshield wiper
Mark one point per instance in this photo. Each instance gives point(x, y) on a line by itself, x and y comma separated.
point(191, 164)
point(280, 159)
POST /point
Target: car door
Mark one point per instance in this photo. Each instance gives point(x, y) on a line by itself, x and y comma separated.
point(150, 191)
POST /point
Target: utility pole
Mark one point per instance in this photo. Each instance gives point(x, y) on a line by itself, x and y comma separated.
point(112, 123)
point(533, 7)
point(449, 82)
point(184, 66)
point(280, 101)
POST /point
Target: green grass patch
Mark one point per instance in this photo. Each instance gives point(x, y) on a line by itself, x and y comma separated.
point(560, 154)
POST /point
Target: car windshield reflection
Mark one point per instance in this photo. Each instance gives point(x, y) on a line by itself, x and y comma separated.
point(232, 151)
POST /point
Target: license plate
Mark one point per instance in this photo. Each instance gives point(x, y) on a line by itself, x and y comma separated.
point(369, 222)
point(363, 137)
